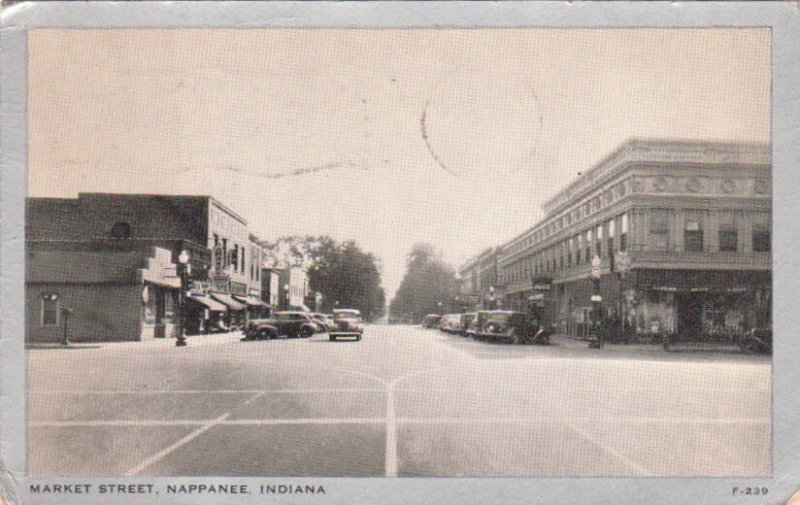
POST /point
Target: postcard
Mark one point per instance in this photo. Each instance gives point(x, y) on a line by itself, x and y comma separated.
point(399, 253)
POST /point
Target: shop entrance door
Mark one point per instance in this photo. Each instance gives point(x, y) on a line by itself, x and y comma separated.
point(690, 313)
point(161, 305)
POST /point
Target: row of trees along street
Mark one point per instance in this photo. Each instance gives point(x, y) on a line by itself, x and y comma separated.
point(429, 286)
point(347, 276)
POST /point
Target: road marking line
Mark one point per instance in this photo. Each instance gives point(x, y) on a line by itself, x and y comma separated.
point(169, 449)
point(188, 438)
point(623, 458)
point(390, 463)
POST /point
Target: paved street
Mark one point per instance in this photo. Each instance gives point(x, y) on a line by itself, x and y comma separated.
point(403, 401)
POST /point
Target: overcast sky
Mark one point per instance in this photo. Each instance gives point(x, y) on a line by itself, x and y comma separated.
point(388, 137)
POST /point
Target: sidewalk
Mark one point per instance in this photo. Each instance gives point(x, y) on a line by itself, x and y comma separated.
point(568, 342)
point(191, 341)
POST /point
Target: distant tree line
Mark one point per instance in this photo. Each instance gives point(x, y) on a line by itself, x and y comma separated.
point(347, 276)
point(429, 286)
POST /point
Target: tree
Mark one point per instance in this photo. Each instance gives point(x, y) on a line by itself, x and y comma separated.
point(429, 285)
point(347, 276)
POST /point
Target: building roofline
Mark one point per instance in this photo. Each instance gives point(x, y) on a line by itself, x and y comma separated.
point(209, 198)
point(648, 144)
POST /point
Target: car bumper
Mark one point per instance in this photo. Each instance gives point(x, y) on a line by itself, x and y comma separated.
point(493, 336)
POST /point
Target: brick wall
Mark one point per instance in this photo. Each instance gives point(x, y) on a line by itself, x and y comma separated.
point(102, 312)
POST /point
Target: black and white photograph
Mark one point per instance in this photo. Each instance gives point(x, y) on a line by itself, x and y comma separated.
point(315, 252)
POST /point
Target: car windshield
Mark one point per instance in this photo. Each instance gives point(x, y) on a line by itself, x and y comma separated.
point(347, 313)
point(284, 317)
point(498, 318)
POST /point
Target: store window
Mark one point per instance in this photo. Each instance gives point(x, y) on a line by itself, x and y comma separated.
point(693, 235)
point(50, 306)
point(658, 230)
point(762, 238)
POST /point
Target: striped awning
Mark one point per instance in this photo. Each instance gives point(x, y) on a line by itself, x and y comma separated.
point(207, 302)
point(250, 301)
point(229, 302)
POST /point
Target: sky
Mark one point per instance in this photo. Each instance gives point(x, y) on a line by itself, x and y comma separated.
point(453, 137)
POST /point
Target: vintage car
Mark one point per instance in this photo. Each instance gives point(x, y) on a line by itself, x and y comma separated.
point(324, 322)
point(478, 322)
point(348, 324)
point(514, 327)
point(450, 323)
point(431, 320)
point(465, 322)
point(288, 323)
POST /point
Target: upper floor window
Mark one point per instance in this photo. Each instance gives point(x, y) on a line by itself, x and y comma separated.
point(121, 230)
point(658, 230)
point(693, 235)
point(762, 238)
point(50, 306)
point(728, 238)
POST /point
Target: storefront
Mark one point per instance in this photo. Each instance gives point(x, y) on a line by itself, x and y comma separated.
point(94, 292)
point(255, 308)
point(694, 304)
point(236, 315)
point(700, 304)
point(203, 314)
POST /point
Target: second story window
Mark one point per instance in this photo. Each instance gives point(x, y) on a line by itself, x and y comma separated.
point(658, 230)
point(50, 308)
point(762, 238)
point(728, 238)
point(121, 230)
point(693, 235)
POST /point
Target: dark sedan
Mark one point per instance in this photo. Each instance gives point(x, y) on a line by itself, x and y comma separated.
point(290, 324)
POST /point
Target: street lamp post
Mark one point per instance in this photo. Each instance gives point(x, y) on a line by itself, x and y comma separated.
point(184, 270)
point(596, 300)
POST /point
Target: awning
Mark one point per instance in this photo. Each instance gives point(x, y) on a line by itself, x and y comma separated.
point(228, 301)
point(250, 301)
point(212, 305)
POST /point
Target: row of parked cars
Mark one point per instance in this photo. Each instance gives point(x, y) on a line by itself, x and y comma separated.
point(491, 325)
point(294, 324)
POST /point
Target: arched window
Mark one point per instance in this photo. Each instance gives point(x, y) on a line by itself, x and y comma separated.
point(120, 230)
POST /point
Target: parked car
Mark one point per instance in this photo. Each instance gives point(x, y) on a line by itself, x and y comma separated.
point(450, 323)
point(324, 322)
point(431, 320)
point(514, 327)
point(477, 323)
point(348, 324)
point(288, 323)
point(465, 322)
